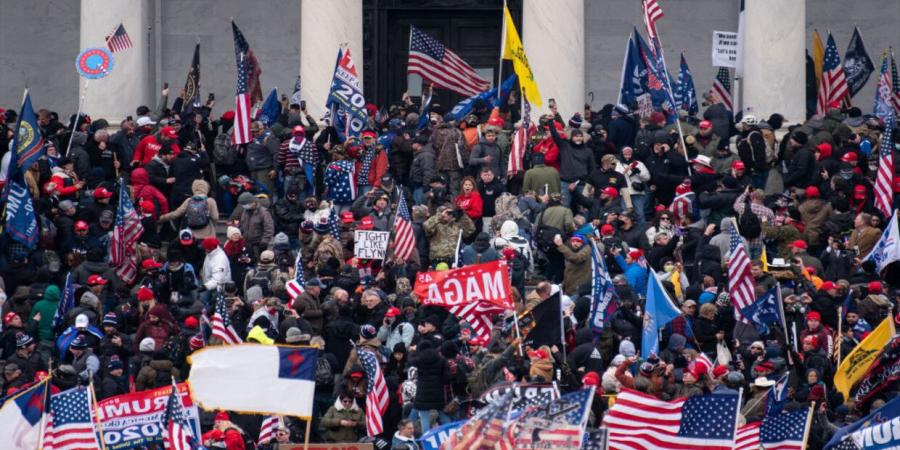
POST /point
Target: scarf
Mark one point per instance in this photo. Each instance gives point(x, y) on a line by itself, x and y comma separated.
point(366, 158)
point(296, 146)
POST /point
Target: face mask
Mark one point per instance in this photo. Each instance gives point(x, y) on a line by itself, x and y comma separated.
point(669, 268)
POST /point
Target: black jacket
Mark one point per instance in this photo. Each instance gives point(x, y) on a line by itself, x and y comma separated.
point(186, 168)
point(752, 150)
point(288, 216)
point(576, 161)
point(434, 376)
point(585, 354)
point(800, 169)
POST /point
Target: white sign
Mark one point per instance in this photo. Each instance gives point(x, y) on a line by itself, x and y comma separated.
point(370, 244)
point(725, 49)
point(645, 105)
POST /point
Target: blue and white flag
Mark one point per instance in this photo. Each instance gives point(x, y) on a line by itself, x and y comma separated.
point(603, 294)
point(657, 79)
point(27, 140)
point(883, 91)
point(764, 311)
point(464, 107)
point(859, 433)
point(685, 94)
point(345, 100)
point(659, 311)
point(20, 417)
point(634, 74)
point(271, 109)
point(66, 303)
point(436, 436)
point(887, 249)
point(559, 423)
point(21, 222)
point(777, 397)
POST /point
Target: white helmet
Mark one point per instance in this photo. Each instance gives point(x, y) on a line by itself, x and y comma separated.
point(749, 120)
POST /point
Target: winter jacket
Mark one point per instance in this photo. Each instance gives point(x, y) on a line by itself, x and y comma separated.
point(288, 216)
point(800, 169)
point(149, 148)
point(311, 311)
point(450, 147)
point(257, 227)
point(578, 267)
point(377, 168)
point(481, 152)
point(216, 269)
point(149, 376)
point(442, 237)
point(200, 189)
point(540, 177)
point(634, 273)
point(261, 152)
point(331, 421)
point(141, 189)
point(470, 203)
point(433, 379)
point(47, 308)
point(752, 150)
point(814, 212)
point(576, 161)
point(423, 166)
point(585, 357)
point(188, 167)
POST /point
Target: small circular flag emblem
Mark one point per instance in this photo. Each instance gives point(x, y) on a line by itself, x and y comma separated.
point(94, 63)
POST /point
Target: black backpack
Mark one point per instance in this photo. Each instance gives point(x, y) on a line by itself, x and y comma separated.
point(749, 224)
point(544, 235)
point(262, 277)
point(324, 374)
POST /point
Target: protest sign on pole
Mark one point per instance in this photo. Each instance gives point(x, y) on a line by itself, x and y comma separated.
point(725, 49)
point(135, 420)
point(488, 282)
point(645, 105)
point(370, 244)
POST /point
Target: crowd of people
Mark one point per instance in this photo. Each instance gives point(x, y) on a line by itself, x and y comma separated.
point(233, 218)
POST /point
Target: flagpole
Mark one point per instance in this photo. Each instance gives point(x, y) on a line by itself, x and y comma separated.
point(95, 407)
point(840, 333)
point(808, 423)
point(306, 436)
point(624, 63)
point(502, 50)
point(77, 115)
point(45, 414)
point(737, 415)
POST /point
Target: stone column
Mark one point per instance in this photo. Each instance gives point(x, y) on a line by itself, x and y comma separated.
point(129, 83)
point(774, 59)
point(324, 26)
point(553, 36)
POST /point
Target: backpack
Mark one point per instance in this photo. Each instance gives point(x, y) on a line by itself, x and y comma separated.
point(324, 374)
point(224, 152)
point(544, 235)
point(748, 223)
point(262, 277)
point(197, 214)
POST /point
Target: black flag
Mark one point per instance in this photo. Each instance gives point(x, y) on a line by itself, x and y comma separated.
point(191, 95)
point(857, 64)
point(542, 324)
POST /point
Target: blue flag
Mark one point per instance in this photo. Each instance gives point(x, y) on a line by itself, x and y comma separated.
point(634, 74)
point(27, 141)
point(433, 439)
point(271, 109)
point(66, 303)
point(464, 107)
point(777, 397)
point(763, 311)
point(345, 100)
point(883, 107)
point(603, 294)
point(685, 94)
point(659, 311)
point(21, 221)
point(657, 79)
point(844, 437)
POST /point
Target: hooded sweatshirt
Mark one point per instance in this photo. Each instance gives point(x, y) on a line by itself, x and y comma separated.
point(142, 190)
point(47, 308)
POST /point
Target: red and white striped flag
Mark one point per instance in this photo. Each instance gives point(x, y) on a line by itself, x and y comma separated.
point(884, 181)
point(126, 232)
point(404, 237)
point(432, 61)
point(221, 323)
point(833, 86)
point(722, 87)
point(295, 286)
point(118, 40)
point(895, 84)
point(176, 431)
point(377, 392)
point(267, 429)
point(520, 141)
point(741, 285)
point(478, 314)
point(781, 432)
point(246, 87)
point(652, 13)
point(70, 426)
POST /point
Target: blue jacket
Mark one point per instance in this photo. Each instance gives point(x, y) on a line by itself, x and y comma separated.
point(635, 274)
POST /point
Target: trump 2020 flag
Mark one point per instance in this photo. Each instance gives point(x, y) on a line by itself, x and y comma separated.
point(887, 249)
point(220, 376)
point(660, 310)
point(20, 418)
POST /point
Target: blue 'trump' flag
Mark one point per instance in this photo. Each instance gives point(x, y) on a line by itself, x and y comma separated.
point(685, 94)
point(634, 74)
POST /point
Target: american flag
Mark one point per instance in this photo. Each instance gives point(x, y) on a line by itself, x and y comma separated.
point(65, 304)
point(479, 314)
point(127, 231)
point(295, 287)
point(741, 286)
point(883, 91)
point(782, 432)
point(704, 363)
point(640, 421)
point(247, 89)
point(70, 426)
point(176, 432)
point(404, 238)
point(895, 83)
point(485, 429)
point(833, 86)
point(559, 423)
point(118, 40)
point(432, 61)
point(520, 141)
point(884, 181)
point(377, 392)
point(267, 429)
point(334, 224)
point(722, 87)
point(221, 322)
point(652, 13)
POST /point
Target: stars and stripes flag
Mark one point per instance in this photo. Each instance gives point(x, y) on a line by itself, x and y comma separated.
point(70, 426)
point(485, 429)
point(295, 286)
point(895, 83)
point(833, 86)
point(176, 431)
point(652, 13)
point(334, 225)
point(404, 237)
point(782, 432)
point(640, 421)
point(435, 63)
point(221, 322)
point(884, 181)
point(267, 429)
point(479, 314)
point(722, 87)
point(520, 141)
point(126, 232)
point(376, 392)
point(558, 423)
point(883, 91)
point(741, 286)
point(247, 88)
point(118, 40)
point(66, 303)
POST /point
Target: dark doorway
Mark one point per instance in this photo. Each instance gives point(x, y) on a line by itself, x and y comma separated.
point(472, 29)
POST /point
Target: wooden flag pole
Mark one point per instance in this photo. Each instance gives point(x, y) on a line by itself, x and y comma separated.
point(806, 430)
point(96, 408)
point(77, 115)
point(306, 436)
point(502, 49)
point(45, 414)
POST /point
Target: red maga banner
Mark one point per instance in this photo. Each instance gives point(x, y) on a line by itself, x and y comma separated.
point(487, 282)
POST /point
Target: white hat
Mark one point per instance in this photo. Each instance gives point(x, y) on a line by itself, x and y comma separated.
point(702, 160)
point(763, 382)
point(147, 345)
point(81, 321)
point(779, 262)
point(749, 119)
point(144, 121)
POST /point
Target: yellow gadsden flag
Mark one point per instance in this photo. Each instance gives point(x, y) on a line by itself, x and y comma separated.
point(513, 49)
point(818, 55)
point(863, 355)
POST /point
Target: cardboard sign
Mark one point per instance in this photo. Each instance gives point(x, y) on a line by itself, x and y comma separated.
point(134, 420)
point(336, 446)
point(645, 105)
point(725, 49)
point(488, 282)
point(370, 244)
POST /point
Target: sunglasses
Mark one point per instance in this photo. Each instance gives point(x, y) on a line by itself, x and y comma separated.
point(665, 219)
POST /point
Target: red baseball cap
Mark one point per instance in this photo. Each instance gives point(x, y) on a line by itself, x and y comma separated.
point(812, 192)
point(719, 370)
point(799, 244)
point(607, 229)
point(147, 207)
point(95, 280)
point(859, 192)
point(738, 165)
point(705, 124)
point(168, 132)
point(393, 311)
point(827, 286)
point(298, 130)
point(81, 225)
point(144, 294)
point(210, 243)
point(813, 315)
point(610, 191)
point(221, 415)
point(850, 157)
point(366, 223)
point(874, 287)
point(101, 192)
point(228, 115)
point(9, 317)
point(149, 263)
point(369, 133)
point(347, 217)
